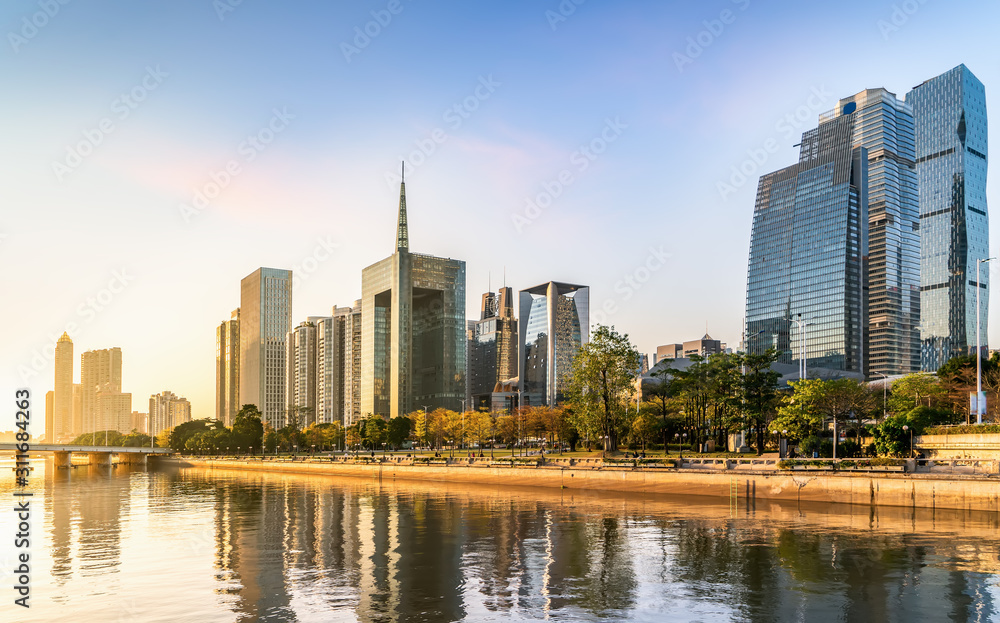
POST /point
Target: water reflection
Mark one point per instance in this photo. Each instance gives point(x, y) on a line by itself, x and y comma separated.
point(119, 543)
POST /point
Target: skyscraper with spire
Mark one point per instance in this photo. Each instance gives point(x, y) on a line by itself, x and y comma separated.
point(413, 329)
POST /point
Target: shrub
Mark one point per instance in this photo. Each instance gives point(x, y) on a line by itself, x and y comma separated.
point(849, 449)
point(820, 445)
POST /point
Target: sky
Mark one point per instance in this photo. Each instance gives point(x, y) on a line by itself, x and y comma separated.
point(156, 153)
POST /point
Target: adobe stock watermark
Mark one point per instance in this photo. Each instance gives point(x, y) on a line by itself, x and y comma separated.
point(900, 15)
point(322, 252)
point(247, 150)
point(121, 107)
point(32, 24)
point(363, 35)
point(562, 12)
point(224, 7)
point(786, 126)
point(580, 161)
point(630, 283)
point(713, 29)
point(454, 116)
point(86, 313)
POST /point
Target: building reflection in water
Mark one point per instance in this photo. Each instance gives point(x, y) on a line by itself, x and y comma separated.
point(292, 544)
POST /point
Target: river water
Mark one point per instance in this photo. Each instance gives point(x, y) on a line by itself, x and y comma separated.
point(127, 544)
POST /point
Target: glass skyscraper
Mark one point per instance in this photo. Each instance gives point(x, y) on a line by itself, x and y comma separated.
point(554, 322)
point(951, 158)
point(809, 252)
point(413, 344)
point(884, 127)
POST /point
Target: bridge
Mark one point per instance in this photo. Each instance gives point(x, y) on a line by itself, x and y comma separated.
point(98, 455)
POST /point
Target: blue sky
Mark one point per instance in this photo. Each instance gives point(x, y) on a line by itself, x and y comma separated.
point(619, 120)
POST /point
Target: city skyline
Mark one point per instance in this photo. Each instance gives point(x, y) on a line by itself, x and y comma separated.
point(105, 246)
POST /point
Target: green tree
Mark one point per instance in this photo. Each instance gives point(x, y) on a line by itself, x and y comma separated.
point(758, 393)
point(398, 430)
point(136, 440)
point(248, 430)
point(178, 435)
point(798, 417)
point(602, 385)
point(913, 390)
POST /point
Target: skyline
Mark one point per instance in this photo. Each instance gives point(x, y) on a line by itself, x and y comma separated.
point(513, 116)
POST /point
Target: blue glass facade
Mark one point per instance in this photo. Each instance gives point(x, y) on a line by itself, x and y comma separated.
point(808, 252)
point(883, 125)
point(951, 161)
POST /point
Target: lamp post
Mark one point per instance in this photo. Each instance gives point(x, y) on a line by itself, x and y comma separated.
point(979, 349)
point(907, 428)
point(802, 324)
point(425, 424)
point(784, 434)
point(463, 423)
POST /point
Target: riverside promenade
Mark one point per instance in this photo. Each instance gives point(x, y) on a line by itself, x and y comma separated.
point(961, 484)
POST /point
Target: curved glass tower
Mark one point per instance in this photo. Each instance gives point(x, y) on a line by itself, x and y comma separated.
point(950, 118)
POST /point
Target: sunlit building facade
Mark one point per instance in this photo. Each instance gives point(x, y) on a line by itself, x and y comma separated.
point(808, 253)
point(227, 369)
point(265, 320)
point(101, 373)
point(64, 427)
point(302, 372)
point(412, 330)
point(951, 163)
point(492, 350)
point(554, 323)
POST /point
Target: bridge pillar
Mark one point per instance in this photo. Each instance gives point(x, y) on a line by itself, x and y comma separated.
point(132, 458)
point(63, 459)
point(100, 458)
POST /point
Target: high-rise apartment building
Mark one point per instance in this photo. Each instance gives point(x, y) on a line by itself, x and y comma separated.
point(951, 162)
point(227, 369)
point(808, 261)
point(554, 322)
point(347, 321)
point(64, 428)
point(884, 127)
point(101, 373)
point(167, 410)
point(492, 350)
point(265, 320)
point(413, 330)
point(301, 372)
point(114, 410)
point(50, 399)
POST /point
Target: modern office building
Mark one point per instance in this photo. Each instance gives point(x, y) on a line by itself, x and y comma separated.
point(227, 369)
point(167, 410)
point(554, 322)
point(492, 348)
point(884, 127)
point(951, 159)
point(808, 260)
point(412, 330)
point(265, 320)
point(101, 373)
point(64, 428)
point(302, 372)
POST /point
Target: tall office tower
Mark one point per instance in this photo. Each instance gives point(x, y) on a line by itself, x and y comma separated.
point(100, 372)
point(492, 348)
point(884, 126)
point(227, 369)
point(167, 410)
point(951, 155)
point(301, 369)
point(554, 324)
point(809, 253)
point(64, 428)
point(413, 330)
point(265, 320)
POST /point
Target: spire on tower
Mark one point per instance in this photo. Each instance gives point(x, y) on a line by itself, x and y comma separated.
point(402, 233)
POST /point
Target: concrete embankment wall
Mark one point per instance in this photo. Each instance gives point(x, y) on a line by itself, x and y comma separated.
point(890, 489)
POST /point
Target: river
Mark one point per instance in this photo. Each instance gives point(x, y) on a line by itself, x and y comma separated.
point(127, 544)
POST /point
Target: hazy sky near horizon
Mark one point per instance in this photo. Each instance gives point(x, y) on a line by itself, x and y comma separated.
point(590, 143)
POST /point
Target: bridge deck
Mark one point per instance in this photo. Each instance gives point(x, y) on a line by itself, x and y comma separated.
point(54, 447)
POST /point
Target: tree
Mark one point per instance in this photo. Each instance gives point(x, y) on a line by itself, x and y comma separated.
point(136, 440)
point(798, 416)
point(398, 430)
point(913, 390)
point(178, 435)
point(663, 394)
point(602, 384)
point(759, 395)
point(644, 428)
point(248, 431)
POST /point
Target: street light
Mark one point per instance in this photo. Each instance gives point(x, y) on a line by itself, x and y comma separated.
point(425, 423)
point(907, 428)
point(463, 423)
point(802, 345)
point(979, 349)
